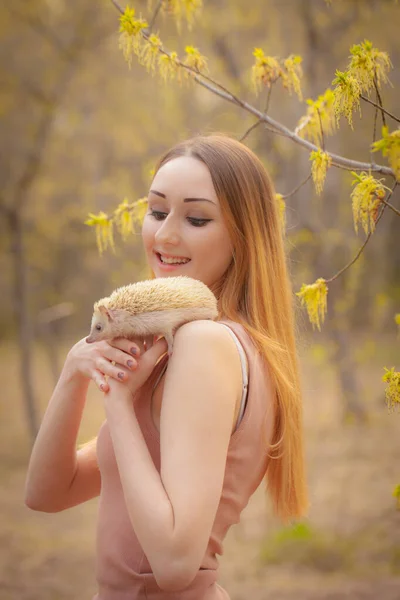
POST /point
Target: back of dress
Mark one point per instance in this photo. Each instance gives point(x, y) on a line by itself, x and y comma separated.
point(122, 569)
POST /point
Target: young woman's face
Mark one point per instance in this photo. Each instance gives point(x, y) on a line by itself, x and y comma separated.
point(184, 220)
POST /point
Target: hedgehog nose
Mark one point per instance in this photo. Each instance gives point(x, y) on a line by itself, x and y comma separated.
point(89, 340)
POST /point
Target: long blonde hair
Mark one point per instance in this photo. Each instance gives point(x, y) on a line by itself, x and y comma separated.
point(256, 292)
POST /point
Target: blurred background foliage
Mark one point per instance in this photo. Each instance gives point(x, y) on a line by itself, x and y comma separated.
point(79, 132)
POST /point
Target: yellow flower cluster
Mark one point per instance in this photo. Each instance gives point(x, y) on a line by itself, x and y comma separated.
point(368, 67)
point(125, 216)
point(366, 199)
point(282, 210)
point(390, 147)
point(150, 52)
point(195, 60)
point(267, 70)
point(187, 9)
point(321, 161)
point(169, 66)
point(346, 96)
point(314, 297)
point(319, 119)
point(368, 63)
point(104, 230)
point(291, 74)
point(392, 391)
point(130, 39)
point(396, 494)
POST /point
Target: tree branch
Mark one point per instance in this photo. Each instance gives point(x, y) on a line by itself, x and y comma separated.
point(222, 92)
point(338, 161)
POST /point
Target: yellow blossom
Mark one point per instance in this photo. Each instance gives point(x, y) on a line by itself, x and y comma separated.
point(265, 71)
point(366, 198)
point(392, 391)
point(104, 230)
point(321, 161)
point(346, 96)
point(169, 66)
point(131, 38)
point(268, 69)
point(319, 113)
point(314, 297)
point(123, 218)
point(195, 60)
point(282, 210)
point(390, 147)
point(149, 52)
point(396, 494)
point(183, 9)
point(292, 73)
point(367, 63)
point(139, 210)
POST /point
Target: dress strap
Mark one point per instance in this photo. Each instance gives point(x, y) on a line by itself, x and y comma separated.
point(245, 377)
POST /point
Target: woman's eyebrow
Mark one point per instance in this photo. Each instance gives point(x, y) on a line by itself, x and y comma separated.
point(185, 199)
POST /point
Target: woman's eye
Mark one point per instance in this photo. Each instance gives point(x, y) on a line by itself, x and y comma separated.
point(156, 214)
point(159, 216)
point(198, 222)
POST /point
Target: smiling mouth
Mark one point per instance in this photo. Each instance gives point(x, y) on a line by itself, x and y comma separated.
point(178, 261)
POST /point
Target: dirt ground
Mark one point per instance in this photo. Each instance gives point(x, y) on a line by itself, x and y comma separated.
point(349, 546)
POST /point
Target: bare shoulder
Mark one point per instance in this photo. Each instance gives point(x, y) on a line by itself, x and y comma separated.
point(202, 334)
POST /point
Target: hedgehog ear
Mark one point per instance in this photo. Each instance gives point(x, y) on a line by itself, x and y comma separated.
point(105, 312)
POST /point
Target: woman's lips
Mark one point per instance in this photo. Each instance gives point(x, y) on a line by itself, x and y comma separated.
point(169, 267)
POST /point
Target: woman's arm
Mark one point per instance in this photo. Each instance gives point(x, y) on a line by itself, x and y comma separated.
point(58, 476)
point(172, 512)
point(53, 461)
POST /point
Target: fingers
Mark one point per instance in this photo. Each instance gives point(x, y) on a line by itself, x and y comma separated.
point(100, 381)
point(133, 348)
point(117, 372)
point(125, 359)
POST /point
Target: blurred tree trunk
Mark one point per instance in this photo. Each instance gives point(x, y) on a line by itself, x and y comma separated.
point(24, 324)
point(69, 54)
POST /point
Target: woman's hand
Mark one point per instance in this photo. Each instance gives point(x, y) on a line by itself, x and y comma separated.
point(95, 361)
point(145, 366)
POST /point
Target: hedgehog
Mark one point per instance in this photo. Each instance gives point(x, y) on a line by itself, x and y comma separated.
point(154, 307)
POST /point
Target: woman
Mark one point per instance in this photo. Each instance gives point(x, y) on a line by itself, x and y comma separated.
point(187, 440)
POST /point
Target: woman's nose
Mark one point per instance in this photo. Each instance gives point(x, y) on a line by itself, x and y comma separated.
point(167, 233)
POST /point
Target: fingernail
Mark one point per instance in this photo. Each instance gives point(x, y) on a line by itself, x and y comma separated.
point(133, 351)
point(102, 387)
point(130, 363)
point(120, 375)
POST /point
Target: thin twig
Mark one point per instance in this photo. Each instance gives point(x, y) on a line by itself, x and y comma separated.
point(154, 17)
point(379, 100)
point(380, 108)
point(391, 207)
point(322, 131)
point(266, 109)
point(246, 133)
point(366, 240)
point(296, 189)
point(117, 6)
